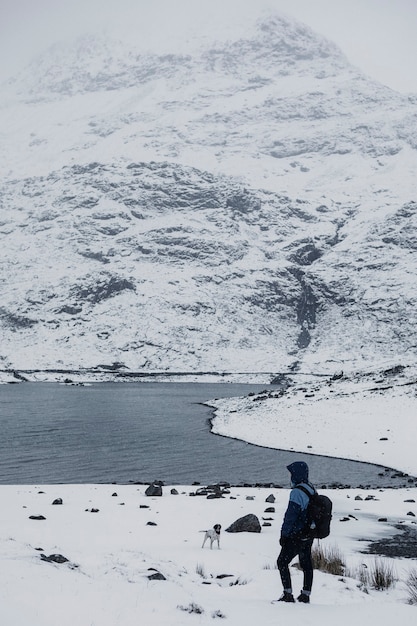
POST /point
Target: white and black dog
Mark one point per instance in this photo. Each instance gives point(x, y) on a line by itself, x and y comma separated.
point(213, 534)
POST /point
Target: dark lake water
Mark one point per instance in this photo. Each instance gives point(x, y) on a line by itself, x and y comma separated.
point(123, 432)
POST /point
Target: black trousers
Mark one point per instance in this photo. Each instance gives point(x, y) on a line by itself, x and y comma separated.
point(291, 549)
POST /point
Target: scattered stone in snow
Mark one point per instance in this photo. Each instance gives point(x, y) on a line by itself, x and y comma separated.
point(155, 489)
point(54, 558)
point(58, 501)
point(270, 499)
point(248, 523)
point(156, 575)
point(270, 509)
point(37, 517)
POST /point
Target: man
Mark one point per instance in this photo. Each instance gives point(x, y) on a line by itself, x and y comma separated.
point(295, 538)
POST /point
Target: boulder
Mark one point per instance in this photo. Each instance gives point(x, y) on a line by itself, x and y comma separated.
point(57, 501)
point(54, 558)
point(154, 490)
point(248, 523)
point(270, 499)
point(156, 575)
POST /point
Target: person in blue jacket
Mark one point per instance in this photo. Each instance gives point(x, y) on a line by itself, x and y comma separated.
point(295, 538)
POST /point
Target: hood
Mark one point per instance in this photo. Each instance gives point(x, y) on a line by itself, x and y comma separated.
point(299, 472)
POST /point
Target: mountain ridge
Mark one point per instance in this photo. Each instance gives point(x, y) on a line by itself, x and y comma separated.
point(218, 214)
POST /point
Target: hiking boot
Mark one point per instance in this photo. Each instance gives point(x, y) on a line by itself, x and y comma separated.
point(286, 597)
point(303, 597)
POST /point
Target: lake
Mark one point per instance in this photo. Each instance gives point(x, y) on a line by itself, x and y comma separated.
point(140, 432)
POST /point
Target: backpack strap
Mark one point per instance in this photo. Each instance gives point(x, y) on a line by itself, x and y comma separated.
point(306, 491)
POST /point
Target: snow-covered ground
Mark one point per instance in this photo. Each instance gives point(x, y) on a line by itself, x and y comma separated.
point(115, 537)
point(112, 552)
point(364, 418)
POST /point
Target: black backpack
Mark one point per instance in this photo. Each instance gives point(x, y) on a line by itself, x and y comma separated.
point(319, 514)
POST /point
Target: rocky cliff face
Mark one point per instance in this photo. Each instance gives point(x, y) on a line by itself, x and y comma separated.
point(247, 207)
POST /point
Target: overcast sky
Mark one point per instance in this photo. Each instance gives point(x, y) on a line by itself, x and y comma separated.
point(379, 36)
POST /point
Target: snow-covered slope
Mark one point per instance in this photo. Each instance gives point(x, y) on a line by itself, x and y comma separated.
point(247, 206)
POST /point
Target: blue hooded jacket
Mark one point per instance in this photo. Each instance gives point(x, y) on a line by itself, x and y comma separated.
point(295, 518)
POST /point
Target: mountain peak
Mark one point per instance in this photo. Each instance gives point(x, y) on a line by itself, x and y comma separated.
point(242, 205)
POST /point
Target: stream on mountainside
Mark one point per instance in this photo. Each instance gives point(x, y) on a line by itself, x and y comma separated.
point(141, 432)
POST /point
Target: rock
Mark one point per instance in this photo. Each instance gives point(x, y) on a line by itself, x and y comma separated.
point(151, 524)
point(383, 519)
point(411, 514)
point(358, 498)
point(212, 491)
point(270, 499)
point(143, 506)
point(154, 490)
point(57, 501)
point(156, 575)
point(410, 500)
point(267, 524)
point(250, 497)
point(270, 509)
point(248, 523)
point(37, 517)
point(54, 558)
point(93, 510)
point(174, 492)
point(114, 495)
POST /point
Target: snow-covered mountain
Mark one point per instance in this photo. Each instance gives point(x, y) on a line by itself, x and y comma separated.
point(247, 206)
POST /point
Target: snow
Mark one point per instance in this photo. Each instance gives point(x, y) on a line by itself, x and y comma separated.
point(114, 536)
point(362, 418)
point(196, 179)
point(110, 552)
